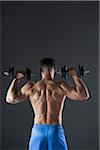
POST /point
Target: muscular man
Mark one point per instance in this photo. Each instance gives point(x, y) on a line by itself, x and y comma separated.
point(47, 98)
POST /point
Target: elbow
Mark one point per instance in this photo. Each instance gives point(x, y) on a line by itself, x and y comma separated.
point(83, 96)
point(10, 99)
point(86, 97)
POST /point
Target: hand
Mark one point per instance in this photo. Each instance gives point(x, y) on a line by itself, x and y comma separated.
point(19, 75)
point(72, 72)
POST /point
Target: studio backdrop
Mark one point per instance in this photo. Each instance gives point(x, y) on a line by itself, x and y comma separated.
point(67, 31)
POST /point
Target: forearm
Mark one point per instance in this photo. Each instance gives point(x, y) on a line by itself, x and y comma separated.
point(12, 89)
point(80, 86)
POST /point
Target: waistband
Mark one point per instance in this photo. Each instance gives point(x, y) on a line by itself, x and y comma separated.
point(47, 125)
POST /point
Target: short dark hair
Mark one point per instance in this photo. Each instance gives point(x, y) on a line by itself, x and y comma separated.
point(47, 62)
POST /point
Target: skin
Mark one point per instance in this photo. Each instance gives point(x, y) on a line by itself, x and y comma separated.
point(47, 96)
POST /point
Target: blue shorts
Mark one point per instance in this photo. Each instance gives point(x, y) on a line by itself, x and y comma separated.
point(47, 137)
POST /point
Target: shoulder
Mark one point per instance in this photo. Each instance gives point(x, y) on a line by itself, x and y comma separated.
point(65, 85)
point(27, 86)
point(62, 82)
point(39, 84)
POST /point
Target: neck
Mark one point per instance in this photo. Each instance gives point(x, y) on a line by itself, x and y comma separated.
point(47, 77)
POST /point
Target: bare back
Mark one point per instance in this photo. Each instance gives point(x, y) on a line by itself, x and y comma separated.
point(47, 99)
point(47, 95)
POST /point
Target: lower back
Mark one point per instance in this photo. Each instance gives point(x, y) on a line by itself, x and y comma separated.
point(47, 119)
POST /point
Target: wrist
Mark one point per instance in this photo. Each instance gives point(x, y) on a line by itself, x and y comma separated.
point(76, 76)
point(16, 79)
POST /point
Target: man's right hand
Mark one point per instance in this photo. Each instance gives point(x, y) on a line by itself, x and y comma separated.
point(19, 75)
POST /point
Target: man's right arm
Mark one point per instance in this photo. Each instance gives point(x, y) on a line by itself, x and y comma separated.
point(14, 95)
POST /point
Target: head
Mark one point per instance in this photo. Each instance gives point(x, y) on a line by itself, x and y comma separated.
point(47, 68)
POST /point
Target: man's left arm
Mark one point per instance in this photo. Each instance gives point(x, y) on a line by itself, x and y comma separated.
point(81, 88)
point(77, 92)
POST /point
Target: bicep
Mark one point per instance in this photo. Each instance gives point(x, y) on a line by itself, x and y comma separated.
point(22, 94)
point(74, 95)
point(70, 91)
point(19, 97)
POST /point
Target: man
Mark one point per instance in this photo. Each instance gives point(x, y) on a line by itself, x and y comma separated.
point(47, 97)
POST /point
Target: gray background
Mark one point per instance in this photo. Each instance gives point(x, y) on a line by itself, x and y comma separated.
point(68, 32)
